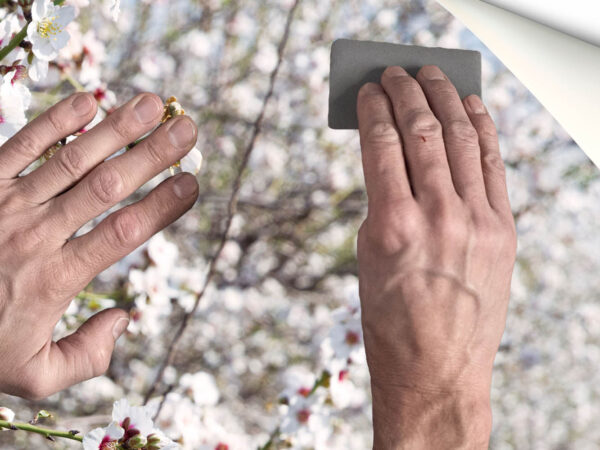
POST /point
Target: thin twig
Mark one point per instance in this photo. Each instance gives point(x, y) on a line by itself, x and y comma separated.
point(46, 432)
point(231, 210)
point(14, 42)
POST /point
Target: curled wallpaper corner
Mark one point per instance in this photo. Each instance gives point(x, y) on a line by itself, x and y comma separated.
point(560, 71)
point(578, 18)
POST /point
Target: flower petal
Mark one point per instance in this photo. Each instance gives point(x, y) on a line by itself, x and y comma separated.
point(6, 414)
point(192, 162)
point(93, 439)
point(38, 70)
point(114, 431)
point(44, 49)
point(65, 15)
point(39, 10)
point(60, 40)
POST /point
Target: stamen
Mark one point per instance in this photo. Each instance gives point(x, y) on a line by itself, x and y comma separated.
point(47, 27)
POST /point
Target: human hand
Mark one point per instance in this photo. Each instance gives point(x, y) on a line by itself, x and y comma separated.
point(436, 254)
point(41, 269)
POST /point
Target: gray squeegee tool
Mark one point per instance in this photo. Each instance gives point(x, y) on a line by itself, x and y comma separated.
point(354, 63)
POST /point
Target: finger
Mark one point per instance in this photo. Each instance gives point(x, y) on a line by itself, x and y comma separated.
point(460, 137)
point(117, 178)
point(494, 172)
point(421, 134)
point(59, 121)
point(125, 230)
point(87, 352)
point(383, 163)
point(76, 159)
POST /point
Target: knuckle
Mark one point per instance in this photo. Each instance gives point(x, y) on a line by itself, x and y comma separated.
point(453, 229)
point(403, 83)
point(382, 133)
point(30, 238)
point(59, 278)
point(493, 161)
point(71, 161)
point(106, 185)
point(374, 102)
point(461, 130)
point(97, 360)
point(488, 129)
point(57, 121)
point(83, 360)
point(422, 123)
point(154, 151)
point(442, 88)
point(119, 126)
point(451, 222)
point(125, 228)
point(26, 143)
point(390, 230)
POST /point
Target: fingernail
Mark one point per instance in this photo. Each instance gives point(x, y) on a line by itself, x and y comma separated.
point(475, 105)
point(119, 327)
point(184, 186)
point(432, 73)
point(147, 109)
point(396, 71)
point(81, 104)
point(181, 133)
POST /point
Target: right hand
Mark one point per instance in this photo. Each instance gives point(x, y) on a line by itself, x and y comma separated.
point(436, 254)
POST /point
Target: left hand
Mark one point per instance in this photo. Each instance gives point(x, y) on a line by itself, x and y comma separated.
point(41, 267)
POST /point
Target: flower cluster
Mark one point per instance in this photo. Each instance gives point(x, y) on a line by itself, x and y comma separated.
point(50, 39)
point(131, 428)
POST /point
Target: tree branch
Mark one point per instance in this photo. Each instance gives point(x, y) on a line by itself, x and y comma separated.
point(231, 209)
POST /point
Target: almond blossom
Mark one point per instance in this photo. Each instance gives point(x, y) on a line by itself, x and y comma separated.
point(192, 162)
point(6, 414)
point(14, 101)
point(131, 428)
point(47, 34)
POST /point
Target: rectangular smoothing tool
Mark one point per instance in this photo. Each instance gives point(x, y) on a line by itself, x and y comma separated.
point(354, 63)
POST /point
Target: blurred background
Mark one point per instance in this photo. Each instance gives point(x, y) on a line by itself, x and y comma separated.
point(266, 327)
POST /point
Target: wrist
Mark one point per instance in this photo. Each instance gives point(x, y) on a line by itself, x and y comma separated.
point(409, 419)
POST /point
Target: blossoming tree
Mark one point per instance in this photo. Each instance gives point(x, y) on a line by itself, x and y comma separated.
point(245, 327)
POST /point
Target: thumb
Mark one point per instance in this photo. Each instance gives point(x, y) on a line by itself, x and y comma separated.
point(87, 352)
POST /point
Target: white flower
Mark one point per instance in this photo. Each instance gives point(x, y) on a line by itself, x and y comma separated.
point(132, 417)
point(47, 29)
point(9, 26)
point(305, 422)
point(37, 69)
point(6, 414)
point(103, 438)
point(192, 162)
point(344, 393)
point(14, 101)
point(180, 418)
point(153, 283)
point(162, 253)
point(345, 340)
point(202, 387)
point(130, 424)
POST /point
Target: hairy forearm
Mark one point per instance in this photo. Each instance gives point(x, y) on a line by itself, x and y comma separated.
point(410, 420)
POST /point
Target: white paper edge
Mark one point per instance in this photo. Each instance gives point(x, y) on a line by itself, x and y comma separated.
point(563, 72)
